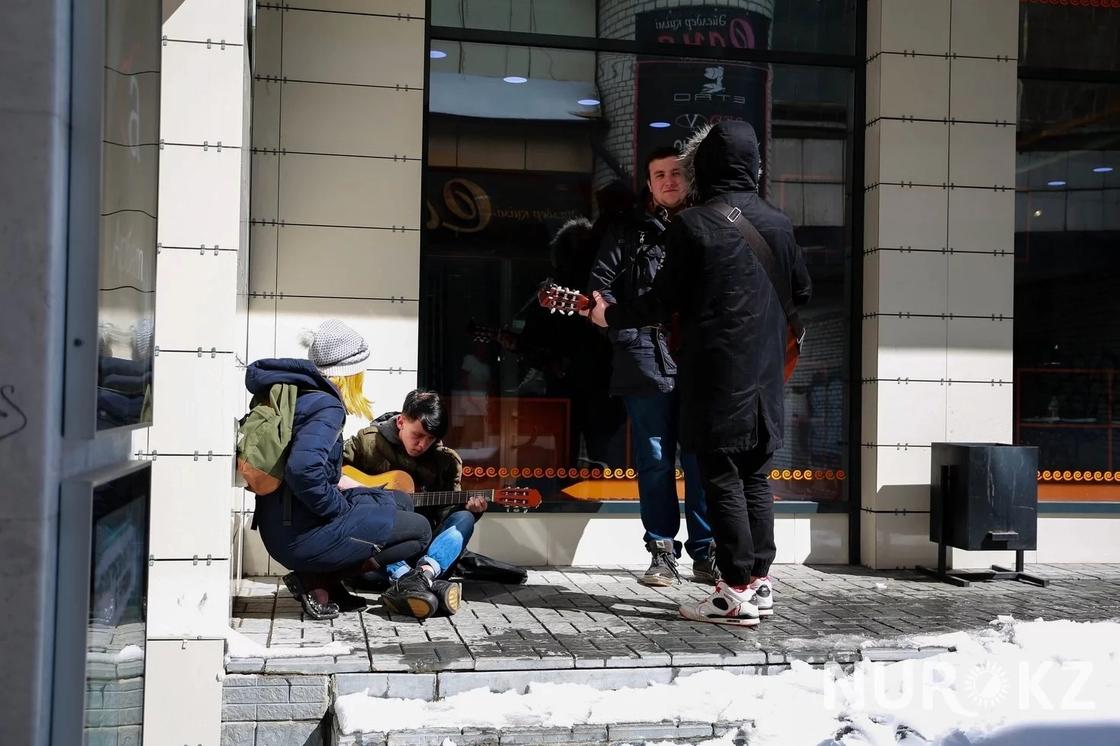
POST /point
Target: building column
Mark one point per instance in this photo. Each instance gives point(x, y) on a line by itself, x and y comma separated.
point(201, 234)
point(938, 247)
point(337, 205)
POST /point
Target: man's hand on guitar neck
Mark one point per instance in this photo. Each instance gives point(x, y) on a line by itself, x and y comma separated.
point(597, 314)
point(477, 504)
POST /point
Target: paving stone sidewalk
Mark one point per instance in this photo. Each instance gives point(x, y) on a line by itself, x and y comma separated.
point(577, 618)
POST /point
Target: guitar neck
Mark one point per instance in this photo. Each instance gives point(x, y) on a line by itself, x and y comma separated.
point(459, 497)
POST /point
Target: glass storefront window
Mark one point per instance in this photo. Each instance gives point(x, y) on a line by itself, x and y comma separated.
point(528, 149)
point(778, 25)
point(1070, 34)
point(1067, 312)
point(130, 180)
point(117, 624)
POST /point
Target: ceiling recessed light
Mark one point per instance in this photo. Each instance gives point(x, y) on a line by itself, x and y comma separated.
point(1102, 170)
point(1038, 213)
point(516, 79)
point(659, 125)
point(1056, 183)
point(588, 102)
point(437, 54)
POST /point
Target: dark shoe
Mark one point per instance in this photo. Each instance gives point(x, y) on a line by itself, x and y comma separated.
point(449, 594)
point(376, 581)
point(346, 600)
point(663, 567)
point(705, 571)
point(311, 607)
point(411, 594)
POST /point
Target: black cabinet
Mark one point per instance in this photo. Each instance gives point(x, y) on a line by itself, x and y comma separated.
point(983, 496)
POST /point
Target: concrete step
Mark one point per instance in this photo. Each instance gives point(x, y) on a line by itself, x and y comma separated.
point(287, 710)
point(614, 734)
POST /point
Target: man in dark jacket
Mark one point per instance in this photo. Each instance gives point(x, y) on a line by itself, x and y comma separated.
point(733, 330)
point(644, 375)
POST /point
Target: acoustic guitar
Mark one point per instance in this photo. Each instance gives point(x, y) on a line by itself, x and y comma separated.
point(564, 300)
point(511, 498)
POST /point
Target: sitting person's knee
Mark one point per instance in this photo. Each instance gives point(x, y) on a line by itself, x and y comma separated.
point(404, 501)
point(463, 520)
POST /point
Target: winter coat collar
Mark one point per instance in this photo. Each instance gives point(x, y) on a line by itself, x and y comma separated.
point(262, 374)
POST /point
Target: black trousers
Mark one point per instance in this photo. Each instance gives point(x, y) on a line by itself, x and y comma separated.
point(741, 511)
point(411, 534)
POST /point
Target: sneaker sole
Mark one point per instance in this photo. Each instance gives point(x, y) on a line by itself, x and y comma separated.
point(656, 581)
point(454, 598)
point(725, 620)
point(414, 607)
point(766, 612)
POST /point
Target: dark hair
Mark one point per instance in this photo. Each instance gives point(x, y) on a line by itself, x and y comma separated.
point(665, 151)
point(426, 406)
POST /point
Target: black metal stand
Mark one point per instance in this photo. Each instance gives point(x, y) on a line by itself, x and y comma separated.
point(966, 578)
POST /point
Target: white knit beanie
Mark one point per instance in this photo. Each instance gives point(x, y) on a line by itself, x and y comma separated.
point(336, 349)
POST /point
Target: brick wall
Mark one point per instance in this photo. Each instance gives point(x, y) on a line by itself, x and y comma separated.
point(274, 710)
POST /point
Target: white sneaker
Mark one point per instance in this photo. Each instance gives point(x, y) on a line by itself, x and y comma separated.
point(763, 595)
point(725, 606)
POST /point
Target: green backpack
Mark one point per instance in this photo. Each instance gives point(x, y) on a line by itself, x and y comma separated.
point(264, 436)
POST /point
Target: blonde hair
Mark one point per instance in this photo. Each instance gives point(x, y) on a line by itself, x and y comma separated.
point(352, 388)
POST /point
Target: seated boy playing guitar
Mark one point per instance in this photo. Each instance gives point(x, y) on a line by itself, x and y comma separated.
point(409, 441)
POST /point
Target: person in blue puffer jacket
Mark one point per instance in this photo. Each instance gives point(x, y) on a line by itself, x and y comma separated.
point(324, 532)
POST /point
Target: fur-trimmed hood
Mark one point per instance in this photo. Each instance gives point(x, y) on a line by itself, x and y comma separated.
point(720, 159)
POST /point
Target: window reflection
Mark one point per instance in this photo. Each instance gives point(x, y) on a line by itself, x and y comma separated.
point(1065, 34)
point(129, 176)
point(789, 25)
point(522, 179)
point(116, 632)
point(1067, 317)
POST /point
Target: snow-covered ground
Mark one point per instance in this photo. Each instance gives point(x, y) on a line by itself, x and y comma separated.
point(240, 646)
point(1015, 684)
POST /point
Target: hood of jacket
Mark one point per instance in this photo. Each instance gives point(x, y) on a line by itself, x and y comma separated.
point(387, 427)
point(261, 375)
point(722, 158)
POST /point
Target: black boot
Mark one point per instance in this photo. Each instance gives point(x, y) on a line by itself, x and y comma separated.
point(346, 600)
point(411, 594)
point(317, 608)
point(450, 594)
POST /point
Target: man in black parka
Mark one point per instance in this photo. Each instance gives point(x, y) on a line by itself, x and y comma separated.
point(733, 340)
point(644, 374)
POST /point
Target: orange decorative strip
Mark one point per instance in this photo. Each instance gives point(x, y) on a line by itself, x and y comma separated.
point(551, 472)
point(1082, 3)
point(808, 475)
point(1077, 475)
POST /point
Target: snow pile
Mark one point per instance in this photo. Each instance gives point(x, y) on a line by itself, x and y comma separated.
point(1016, 683)
point(124, 655)
point(240, 646)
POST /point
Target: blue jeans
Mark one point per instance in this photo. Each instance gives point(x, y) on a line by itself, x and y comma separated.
point(449, 543)
point(654, 420)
